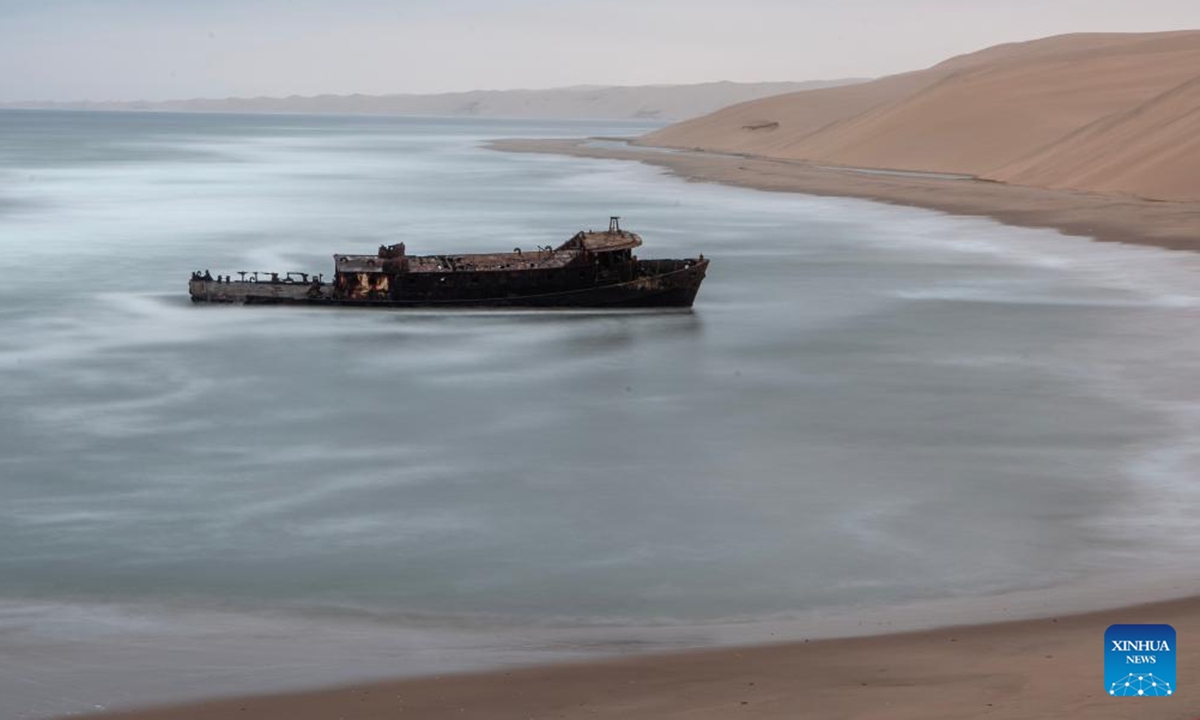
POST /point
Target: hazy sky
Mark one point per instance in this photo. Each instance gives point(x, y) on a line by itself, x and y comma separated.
point(162, 49)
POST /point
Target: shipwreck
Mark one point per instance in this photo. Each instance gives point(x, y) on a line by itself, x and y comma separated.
point(592, 269)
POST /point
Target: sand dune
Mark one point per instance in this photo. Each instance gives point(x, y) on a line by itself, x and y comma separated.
point(1113, 113)
point(1152, 150)
point(649, 102)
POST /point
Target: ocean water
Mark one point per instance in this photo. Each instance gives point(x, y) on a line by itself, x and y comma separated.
point(870, 408)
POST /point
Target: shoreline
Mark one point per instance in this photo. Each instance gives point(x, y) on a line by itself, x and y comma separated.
point(997, 668)
point(1106, 218)
point(279, 655)
point(1051, 667)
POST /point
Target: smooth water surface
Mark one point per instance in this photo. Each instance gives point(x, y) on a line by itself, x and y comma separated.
point(869, 406)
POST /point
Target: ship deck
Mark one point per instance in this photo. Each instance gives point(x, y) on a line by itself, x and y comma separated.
point(491, 262)
point(538, 258)
point(468, 262)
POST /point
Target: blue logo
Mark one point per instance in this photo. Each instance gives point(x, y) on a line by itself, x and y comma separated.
point(1139, 660)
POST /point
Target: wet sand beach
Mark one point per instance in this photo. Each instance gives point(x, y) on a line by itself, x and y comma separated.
point(1048, 668)
point(1110, 218)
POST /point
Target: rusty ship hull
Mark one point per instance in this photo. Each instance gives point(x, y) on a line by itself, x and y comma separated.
point(674, 288)
point(589, 270)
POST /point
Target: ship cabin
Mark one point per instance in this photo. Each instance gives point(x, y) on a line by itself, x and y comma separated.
point(588, 259)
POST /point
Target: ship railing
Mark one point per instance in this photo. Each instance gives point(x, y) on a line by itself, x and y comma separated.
point(661, 267)
point(276, 278)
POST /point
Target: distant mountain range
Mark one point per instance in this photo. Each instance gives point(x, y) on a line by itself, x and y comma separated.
point(647, 102)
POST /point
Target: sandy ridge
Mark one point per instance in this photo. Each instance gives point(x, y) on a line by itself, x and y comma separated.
point(1109, 113)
